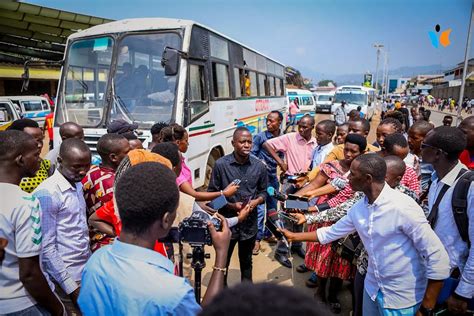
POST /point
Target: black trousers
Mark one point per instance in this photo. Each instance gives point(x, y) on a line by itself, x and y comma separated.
point(358, 293)
point(245, 258)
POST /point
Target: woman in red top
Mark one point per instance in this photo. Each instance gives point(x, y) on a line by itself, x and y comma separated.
point(106, 219)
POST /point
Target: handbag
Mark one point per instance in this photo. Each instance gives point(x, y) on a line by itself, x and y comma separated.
point(349, 247)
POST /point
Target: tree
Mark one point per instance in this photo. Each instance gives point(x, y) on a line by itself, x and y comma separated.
point(325, 83)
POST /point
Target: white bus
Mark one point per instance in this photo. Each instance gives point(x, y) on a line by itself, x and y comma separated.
point(356, 96)
point(167, 70)
point(305, 99)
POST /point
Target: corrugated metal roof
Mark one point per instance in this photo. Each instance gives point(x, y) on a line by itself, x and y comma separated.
point(29, 31)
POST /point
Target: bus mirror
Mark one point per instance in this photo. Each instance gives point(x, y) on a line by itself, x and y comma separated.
point(170, 61)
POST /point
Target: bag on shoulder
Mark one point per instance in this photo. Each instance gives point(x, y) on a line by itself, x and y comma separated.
point(348, 248)
point(459, 204)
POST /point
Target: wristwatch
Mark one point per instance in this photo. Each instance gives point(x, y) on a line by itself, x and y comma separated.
point(426, 311)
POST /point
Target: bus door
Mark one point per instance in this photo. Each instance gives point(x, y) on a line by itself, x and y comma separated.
point(196, 110)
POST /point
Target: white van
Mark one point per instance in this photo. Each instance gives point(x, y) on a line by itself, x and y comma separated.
point(356, 96)
point(324, 101)
point(32, 107)
point(8, 113)
point(305, 99)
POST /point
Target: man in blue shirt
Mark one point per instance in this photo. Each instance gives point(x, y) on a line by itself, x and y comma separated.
point(274, 120)
point(128, 277)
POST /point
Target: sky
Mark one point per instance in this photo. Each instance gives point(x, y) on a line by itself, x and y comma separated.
point(322, 38)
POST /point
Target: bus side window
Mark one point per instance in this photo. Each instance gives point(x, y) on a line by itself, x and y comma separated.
point(239, 82)
point(261, 85)
point(278, 86)
point(220, 76)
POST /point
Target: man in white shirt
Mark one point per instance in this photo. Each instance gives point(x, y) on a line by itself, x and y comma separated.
point(441, 148)
point(340, 114)
point(407, 262)
point(65, 232)
point(23, 287)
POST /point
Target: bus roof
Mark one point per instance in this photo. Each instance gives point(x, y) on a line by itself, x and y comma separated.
point(297, 91)
point(148, 24)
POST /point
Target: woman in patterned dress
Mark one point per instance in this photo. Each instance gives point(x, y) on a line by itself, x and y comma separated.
point(321, 258)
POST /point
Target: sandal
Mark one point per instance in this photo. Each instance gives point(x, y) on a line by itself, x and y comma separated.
point(256, 248)
point(302, 268)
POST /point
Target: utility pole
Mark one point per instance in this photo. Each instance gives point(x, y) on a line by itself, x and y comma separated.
point(464, 71)
point(385, 75)
point(387, 80)
point(378, 47)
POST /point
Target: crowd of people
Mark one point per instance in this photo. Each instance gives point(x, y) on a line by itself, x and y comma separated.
point(81, 234)
point(441, 104)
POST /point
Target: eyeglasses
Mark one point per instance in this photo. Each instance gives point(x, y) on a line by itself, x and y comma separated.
point(425, 145)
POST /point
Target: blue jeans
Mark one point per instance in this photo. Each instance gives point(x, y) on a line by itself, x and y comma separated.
point(270, 203)
point(375, 308)
point(292, 121)
point(281, 247)
point(34, 310)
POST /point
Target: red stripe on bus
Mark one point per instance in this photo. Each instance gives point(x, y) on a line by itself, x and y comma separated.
point(200, 133)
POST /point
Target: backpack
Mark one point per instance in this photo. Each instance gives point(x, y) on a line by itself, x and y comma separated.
point(459, 204)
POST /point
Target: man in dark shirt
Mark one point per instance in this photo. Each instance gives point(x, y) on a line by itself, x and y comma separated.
point(253, 176)
point(274, 120)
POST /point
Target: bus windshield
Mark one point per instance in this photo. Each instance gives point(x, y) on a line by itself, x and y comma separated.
point(352, 98)
point(142, 93)
point(86, 75)
point(324, 97)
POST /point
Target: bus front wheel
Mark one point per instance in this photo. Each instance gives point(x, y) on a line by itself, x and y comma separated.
point(211, 162)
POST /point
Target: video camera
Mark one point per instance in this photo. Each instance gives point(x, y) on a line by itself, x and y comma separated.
point(194, 229)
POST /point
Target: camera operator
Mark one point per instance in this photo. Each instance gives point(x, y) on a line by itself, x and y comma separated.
point(147, 213)
point(252, 173)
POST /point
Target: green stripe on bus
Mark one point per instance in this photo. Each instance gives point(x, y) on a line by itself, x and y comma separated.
point(195, 128)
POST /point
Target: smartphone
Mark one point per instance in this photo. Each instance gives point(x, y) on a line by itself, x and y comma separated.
point(296, 204)
point(273, 228)
point(297, 197)
point(236, 181)
point(246, 201)
point(218, 203)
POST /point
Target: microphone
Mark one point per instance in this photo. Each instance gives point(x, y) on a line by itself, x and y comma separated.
point(277, 195)
point(273, 223)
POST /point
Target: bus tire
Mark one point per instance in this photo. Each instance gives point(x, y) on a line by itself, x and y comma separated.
point(211, 162)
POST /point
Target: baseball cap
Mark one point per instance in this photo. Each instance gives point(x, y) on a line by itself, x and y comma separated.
point(121, 127)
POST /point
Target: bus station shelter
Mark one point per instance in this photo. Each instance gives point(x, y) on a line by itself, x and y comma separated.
point(37, 33)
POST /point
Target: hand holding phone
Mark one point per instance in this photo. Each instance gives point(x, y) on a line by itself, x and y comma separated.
point(246, 201)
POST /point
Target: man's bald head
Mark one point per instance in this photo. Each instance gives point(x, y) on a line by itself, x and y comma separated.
point(71, 130)
point(395, 170)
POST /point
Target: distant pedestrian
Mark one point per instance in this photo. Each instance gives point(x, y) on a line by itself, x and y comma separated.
point(447, 120)
point(293, 111)
point(340, 114)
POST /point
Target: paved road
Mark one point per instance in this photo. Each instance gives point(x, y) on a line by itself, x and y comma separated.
point(266, 269)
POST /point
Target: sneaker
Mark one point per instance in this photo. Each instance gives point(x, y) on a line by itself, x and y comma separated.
point(312, 282)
